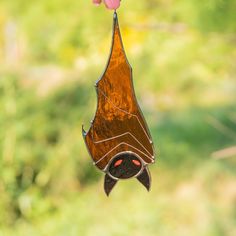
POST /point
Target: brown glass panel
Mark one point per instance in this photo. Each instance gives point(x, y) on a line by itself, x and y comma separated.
point(118, 125)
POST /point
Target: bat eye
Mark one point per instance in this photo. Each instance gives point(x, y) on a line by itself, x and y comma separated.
point(137, 163)
point(117, 163)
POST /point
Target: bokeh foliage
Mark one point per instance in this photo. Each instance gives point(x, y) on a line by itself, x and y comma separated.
point(184, 59)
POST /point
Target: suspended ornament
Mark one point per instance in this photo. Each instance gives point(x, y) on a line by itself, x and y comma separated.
point(118, 140)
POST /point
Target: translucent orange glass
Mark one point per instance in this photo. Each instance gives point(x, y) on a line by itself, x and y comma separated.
point(118, 126)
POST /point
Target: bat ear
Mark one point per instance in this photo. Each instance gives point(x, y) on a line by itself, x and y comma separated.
point(109, 183)
point(145, 178)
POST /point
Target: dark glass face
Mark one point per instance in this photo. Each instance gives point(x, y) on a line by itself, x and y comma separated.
point(124, 166)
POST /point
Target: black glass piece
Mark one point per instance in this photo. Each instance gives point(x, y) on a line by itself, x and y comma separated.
point(145, 178)
point(109, 183)
point(124, 166)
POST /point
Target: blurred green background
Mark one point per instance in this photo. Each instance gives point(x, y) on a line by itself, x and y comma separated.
point(183, 54)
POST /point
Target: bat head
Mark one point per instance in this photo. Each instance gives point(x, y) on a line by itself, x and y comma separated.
point(124, 166)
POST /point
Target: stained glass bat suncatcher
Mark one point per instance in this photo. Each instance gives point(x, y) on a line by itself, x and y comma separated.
point(118, 140)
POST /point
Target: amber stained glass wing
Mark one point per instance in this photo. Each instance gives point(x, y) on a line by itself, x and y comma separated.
point(118, 125)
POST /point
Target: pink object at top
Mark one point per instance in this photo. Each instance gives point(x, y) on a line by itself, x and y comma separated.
point(110, 4)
